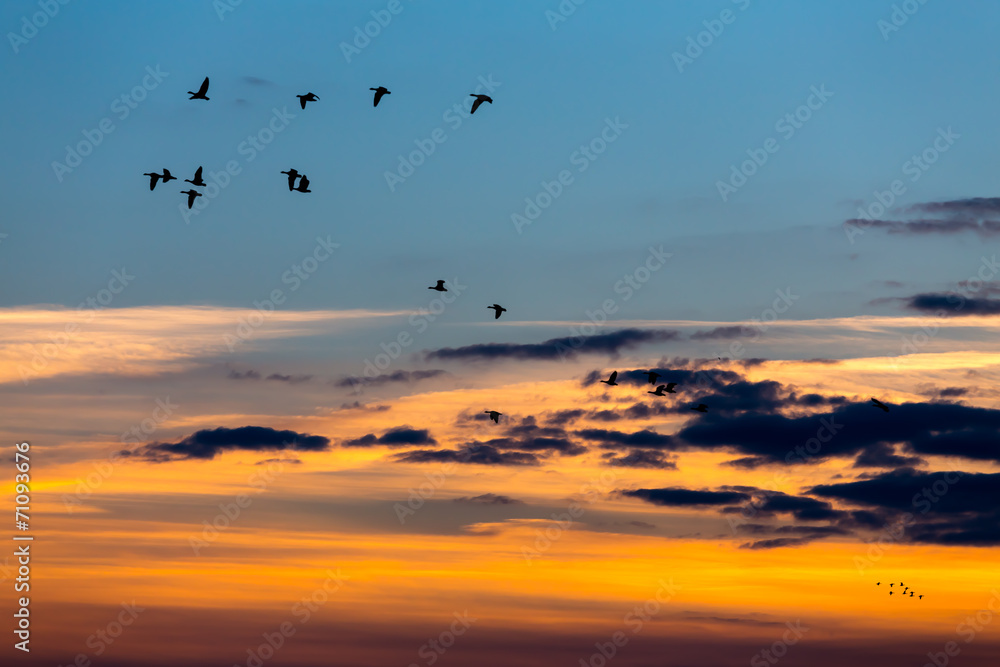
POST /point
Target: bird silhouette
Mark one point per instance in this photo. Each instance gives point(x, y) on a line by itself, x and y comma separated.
point(499, 309)
point(881, 406)
point(153, 178)
point(701, 408)
point(439, 287)
point(303, 184)
point(611, 380)
point(911, 594)
point(902, 584)
point(308, 97)
point(652, 375)
point(200, 95)
point(379, 92)
point(659, 391)
point(920, 597)
point(479, 100)
point(891, 585)
point(197, 179)
point(167, 176)
point(670, 387)
point(494, 415)
point(890, 592)
point(292, 175)
point(878, 583)
point(192, 195)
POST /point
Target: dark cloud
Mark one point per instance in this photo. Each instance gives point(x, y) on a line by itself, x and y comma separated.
point(645, 438)
point(292, 461)
point(387, 378)
point(724, 333)
point(248, 375)
point(290, 379)
point(678, 497)
point(481, 455)
point(559, 348)
point(401, 436)
point(489, 499)
point(881, 455)
point(952, 303)
point(205, 444)
point(948, 392)
point(357, 405)
point(988, 207)
point(641, 458)
point(956, 508)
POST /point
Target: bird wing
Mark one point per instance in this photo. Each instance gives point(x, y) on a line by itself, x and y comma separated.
point(197, 174)
point(671, 385)
point(166, 173)
point(302, 101)
point(475, 105)
point(614, 376)
point(204, 87)
point(304, 183)
point(498, 311)
point(378, 96)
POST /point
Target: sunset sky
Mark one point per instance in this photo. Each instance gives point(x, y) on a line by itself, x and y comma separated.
point(252, 422)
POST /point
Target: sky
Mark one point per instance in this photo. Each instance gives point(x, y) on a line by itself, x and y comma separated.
point(252, 417)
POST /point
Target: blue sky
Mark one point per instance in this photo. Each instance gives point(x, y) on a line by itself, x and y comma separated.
point(655, 185)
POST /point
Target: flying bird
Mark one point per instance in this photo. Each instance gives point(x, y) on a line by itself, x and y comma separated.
point(167, 176)
point(881, 406)
point(439, 287)
point(920, 597)
point(192, 195)
point(670, 387)
point(701, 408)
point(911, 594)
point(611, 380)
point(499, 309)
point(652, 375)
point(292, 175)
point(659, 391)
point(878, 583)
point(308, 97)
point(379, 92)
point(303, 184)
point(891, 585)
point(200, 95)
point(197, 179)
point(153, 178)
point(479, 100)
point(890, 592)
point(494, 415)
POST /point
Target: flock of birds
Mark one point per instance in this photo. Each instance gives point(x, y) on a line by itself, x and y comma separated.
point(906, 588)
point(664, 389)
point(293, 175)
